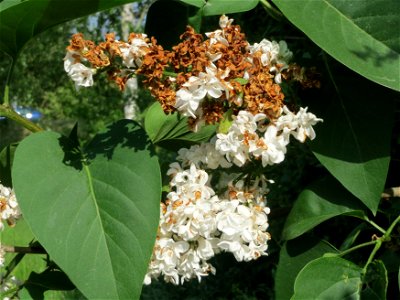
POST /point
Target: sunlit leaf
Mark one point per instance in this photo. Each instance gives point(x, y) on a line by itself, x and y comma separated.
point(322, 200)
point(328, 278)
point(294, 255)
point(95, 210)
point(362, 34)
point(22, 20)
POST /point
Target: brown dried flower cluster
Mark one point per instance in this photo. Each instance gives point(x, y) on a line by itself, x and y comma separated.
point(239, 71)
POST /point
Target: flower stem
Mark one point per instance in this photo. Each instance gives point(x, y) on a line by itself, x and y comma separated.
point(384, 238)
point(375, 225)
point(8, 112)
point(357, 247)
point(17, 249)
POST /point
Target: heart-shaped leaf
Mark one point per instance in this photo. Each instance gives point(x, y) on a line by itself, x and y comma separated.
point(22, 20)
point(96, 211)
point(294, 255)
point(322, 200)
point(219, 7)
point(328, 278)
point(354, 140)
point(362, 34)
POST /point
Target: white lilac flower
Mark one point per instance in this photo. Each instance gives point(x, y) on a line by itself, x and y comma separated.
point(133, 53)
point(242, 138)
point(81, 75)
point(244, 222)
point(275, 147)
point(306, 120)
point(8, 284)
point(70, 59)
point(2, 256)
point(9, 209)
point(299, 125)
point(274, 55)
point(232, 146)
point(189, 97)
point(203, 156)
point(224, 21)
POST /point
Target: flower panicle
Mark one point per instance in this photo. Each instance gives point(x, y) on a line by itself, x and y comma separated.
point(202, 77)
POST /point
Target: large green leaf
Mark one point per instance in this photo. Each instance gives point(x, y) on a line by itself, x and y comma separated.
point(173, 128)
point(22, 20)
point(354, 140)
point(328, 278)
point(219, 7)
point(362, 34)
point(294, 255)
point(96, 210)
point(322, 200)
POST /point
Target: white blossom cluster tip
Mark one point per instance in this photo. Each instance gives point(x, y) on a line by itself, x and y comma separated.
point(77, 71)
point(249, 137)
point(203, 156)
point(196, 224)
point(133, 52)
point(2, 257)
point(9, 209)
point(214, 83)
point(273, 54)
point(9, 284)
point(83, 57)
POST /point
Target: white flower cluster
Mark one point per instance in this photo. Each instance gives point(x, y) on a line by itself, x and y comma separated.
point(211, 83)
point(196, 224)
point(7, 285)
point(273, 54)
point(78, 72)
point(9, 209)
point(249, 137)
point(9, 212)
point(131, 53)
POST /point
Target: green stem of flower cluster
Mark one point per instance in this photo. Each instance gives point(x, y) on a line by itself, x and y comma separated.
point(385, 238)
point(7, 111)
point(378, 242)
point(375, 225)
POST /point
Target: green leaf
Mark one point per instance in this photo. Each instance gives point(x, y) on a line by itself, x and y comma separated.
point(173, 128)
point(22, 20)
point(328, 278)
point(354, 140)
point(6, 159)
point(96, 210)
point(197, 3)
point(363, 34)
point(226, 122)
point(375, 281)
point(322, 200)
point(294, 255)
point(219, 7)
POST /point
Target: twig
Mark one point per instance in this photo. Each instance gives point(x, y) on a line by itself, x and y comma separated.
point(17, 249)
